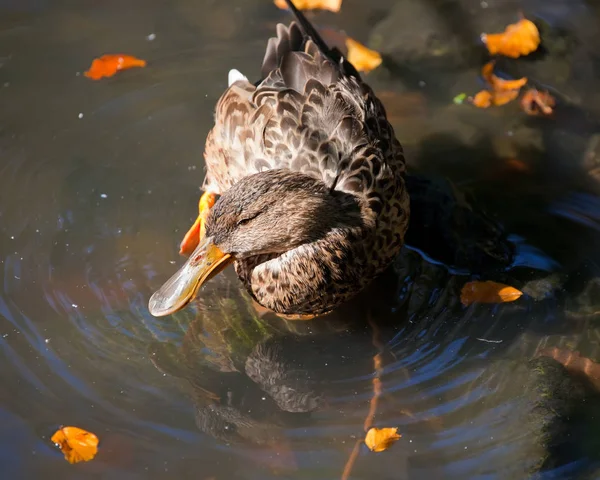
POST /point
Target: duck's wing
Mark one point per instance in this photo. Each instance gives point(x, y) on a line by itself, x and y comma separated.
point(310, 113)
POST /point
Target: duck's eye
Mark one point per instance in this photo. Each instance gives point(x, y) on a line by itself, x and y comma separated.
point(248, 219)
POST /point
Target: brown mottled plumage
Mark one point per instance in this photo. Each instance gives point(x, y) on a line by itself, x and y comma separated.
point(313, 202)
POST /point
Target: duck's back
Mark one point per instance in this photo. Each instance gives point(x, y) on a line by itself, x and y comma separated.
point(310, 114)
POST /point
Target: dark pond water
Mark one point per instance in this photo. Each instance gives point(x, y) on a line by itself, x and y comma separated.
point(99, 181)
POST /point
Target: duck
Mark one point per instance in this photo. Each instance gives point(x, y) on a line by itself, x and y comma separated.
point(304, 191)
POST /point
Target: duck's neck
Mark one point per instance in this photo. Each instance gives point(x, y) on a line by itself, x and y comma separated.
point(314, 278)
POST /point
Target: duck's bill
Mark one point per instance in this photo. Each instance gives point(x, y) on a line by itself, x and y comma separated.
point(205, 262)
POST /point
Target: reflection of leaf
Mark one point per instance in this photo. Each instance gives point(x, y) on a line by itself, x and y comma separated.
point(488, 292)
point(380, 439)
point(575, 363)
point(363, 58)
point(108, 65)
point(518, 39)
point(76, 444)
point(500, 91)
point(535, 102)
point(331, 5)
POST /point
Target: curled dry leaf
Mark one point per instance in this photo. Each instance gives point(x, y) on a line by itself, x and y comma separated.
point(76, 444)
point(575, 363)
point(499, 84)
point(108, 65)
point(488, 292)
point(518, 39)
point(331, 5)
point(380, 439)
point(363, 58)
point(500, 91)
point(535, 102)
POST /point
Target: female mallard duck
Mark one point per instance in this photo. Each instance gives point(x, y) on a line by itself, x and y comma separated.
point(310, 175)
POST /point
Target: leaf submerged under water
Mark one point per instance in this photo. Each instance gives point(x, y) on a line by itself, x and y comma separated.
point(488, 292)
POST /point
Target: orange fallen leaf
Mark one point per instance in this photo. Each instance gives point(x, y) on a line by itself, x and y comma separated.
point(380, 439)
point(575, 363)
point(485, 98)
point(535, 102)
point(364, 59)
point(500, 91)
point(331, 5)
point(108, 65)
point(76, 444)
point(499, 84)
point(518, 39)
point(502, 97)
point(482, 99)
point(488, 292)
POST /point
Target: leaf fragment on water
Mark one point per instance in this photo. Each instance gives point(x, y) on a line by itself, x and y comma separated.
point(380, 439)
point(108, 65)
point(77, 445)
point(521, 38)
point(364, 59)
point(459, 99)
point(488, 292)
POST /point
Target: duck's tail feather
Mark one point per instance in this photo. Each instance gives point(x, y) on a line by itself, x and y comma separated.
point(294, 39)
point(309, 32)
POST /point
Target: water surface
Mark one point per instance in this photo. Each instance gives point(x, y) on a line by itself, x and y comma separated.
point(99, 181)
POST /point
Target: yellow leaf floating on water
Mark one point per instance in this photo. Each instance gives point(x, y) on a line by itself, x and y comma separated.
point(76, 444)
point(331, 5)
point(380, 439)
point(488, 292)
point(518, 39)
point(364, 59)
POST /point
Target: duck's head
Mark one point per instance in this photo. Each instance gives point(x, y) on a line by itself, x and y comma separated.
point(271, 212)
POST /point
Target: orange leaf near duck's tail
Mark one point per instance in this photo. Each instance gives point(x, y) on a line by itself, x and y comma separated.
point(380, 439)
point(364, 59)
point(76, 444)
point(488, 292)
point(108, 65)
point(521, 38)
point(331, 5)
